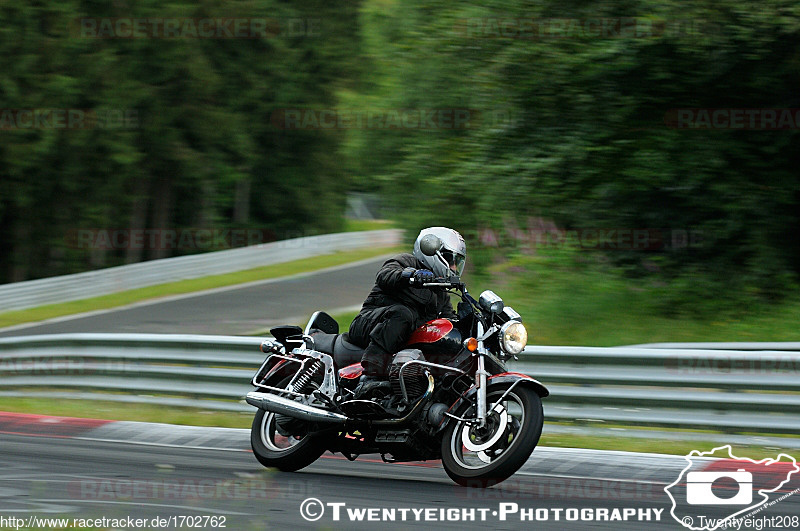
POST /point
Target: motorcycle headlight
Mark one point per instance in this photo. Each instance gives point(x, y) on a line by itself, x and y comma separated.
point(513, 337)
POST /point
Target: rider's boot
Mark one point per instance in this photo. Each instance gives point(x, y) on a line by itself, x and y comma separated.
point(368, 383)
point(373, 377)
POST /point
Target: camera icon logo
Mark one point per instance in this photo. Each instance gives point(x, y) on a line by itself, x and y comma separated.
point(733, 486)
point(699, 488)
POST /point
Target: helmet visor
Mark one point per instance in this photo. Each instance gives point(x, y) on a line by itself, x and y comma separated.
point(455, 261)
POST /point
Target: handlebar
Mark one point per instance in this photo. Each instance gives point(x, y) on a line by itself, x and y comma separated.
point(462, 287)
point(442, 283)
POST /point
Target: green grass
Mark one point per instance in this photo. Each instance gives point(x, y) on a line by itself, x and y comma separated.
point(187, 286)
point(110, 410)
point(344, 320)
point(565, 303)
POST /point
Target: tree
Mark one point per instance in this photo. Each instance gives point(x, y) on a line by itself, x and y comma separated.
point(194, 148)
point(582, 129)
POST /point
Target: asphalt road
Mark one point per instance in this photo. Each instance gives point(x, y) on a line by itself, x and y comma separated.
point(241, 310)
point(88, 479)
point(159, 471)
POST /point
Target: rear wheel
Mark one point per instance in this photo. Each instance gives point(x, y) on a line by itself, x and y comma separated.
point(287, 453)
point(480, 457)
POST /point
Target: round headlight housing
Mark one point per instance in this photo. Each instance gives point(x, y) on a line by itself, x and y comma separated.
point(513, 337)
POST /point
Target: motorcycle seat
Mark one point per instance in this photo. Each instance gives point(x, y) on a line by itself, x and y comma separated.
point(339, 346)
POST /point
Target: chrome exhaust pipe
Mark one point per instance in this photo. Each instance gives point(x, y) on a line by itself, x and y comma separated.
point(290, 408)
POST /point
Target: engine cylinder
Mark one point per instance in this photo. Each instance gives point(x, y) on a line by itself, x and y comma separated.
point(414, 377)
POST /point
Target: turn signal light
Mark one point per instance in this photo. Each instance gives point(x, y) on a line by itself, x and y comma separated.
point(471, 344)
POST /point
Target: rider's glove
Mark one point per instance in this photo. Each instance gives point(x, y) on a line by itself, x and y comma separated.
point(422, 276)
point(417, 277)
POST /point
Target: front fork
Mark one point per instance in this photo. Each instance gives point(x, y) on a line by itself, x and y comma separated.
point(481, 374)
point(480, 381)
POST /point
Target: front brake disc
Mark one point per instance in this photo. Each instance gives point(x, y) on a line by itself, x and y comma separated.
point(498, 412)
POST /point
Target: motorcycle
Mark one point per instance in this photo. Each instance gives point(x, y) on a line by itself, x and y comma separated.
point(449, 395)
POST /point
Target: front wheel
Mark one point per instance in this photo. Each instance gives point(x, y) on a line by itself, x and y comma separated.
point(284, 453)
point(481, 457)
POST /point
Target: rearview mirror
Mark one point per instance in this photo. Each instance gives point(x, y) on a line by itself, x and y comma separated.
point(491, 302)
point(430, 244)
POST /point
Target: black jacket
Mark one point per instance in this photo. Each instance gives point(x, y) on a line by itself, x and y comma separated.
point(391, 288)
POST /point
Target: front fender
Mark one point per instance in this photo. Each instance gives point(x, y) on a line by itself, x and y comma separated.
point(504, 379)
point(511, 377)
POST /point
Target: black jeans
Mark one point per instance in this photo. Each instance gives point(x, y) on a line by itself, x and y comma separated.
point(383, 331)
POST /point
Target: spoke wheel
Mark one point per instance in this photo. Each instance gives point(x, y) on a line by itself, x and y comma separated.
point(481, 456)
point(284, 452)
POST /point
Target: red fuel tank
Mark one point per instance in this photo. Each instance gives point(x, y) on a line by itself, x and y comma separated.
point(437, 339)
point(431, 332)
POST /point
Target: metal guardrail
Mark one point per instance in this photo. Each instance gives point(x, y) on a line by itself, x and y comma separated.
point(729, 390)
point(31, 293)
point(788, 346)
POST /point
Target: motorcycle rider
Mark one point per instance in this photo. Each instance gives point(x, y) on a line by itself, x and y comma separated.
point(398, 303)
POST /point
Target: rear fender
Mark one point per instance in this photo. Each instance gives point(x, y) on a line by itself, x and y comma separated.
point(502, 380)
